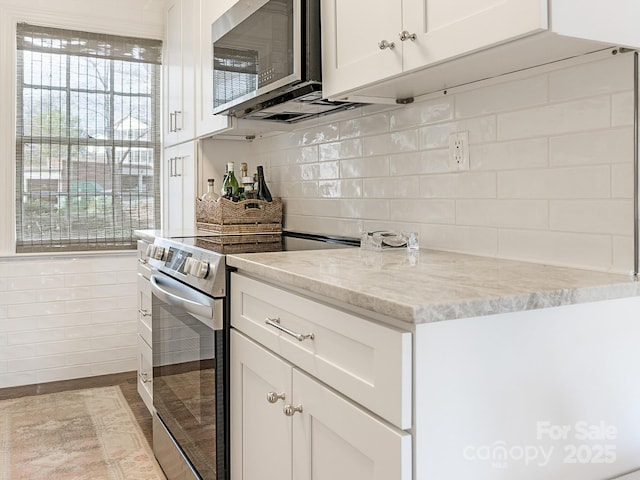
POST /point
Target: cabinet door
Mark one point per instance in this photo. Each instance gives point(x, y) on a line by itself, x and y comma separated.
point(446, 29)
point(145, 369)
point(260, 432)
point(333, 439)
point(206, 122)
point(351, 33)
point(179, 63)
point(180, 187)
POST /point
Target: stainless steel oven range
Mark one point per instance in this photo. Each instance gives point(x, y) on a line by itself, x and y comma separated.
point(190, 328)
point(190, 341)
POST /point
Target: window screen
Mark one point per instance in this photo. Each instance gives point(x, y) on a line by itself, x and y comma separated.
point(88, 139)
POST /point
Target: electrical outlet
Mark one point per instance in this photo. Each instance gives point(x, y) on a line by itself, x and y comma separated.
point(459, 151)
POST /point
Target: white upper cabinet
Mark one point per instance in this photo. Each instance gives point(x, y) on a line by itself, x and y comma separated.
point(207, 123)
point(188, 73)
point(179, 75)
point(405, 48)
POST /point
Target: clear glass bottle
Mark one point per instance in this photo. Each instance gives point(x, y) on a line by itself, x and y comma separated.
point(210, 195)
point(230, 181)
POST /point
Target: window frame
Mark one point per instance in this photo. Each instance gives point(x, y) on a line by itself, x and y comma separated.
point(103, 244)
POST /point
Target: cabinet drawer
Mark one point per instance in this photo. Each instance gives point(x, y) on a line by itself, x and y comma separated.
point(143, 267)
point(366, 361)
point(145, 377)
point(144, 308)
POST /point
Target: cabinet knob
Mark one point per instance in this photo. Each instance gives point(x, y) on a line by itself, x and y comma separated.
point(290, 410)
point(144, 313)
point(404, 36)
point(273, 397)
point(385, 44)
point(144, 377)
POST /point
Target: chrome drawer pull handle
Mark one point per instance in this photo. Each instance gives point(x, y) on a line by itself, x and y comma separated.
point(273, 397)
point(290, 410)
point(142, 261)
point(144, 377)
point(275, 322)
point(144, 313)
point(384, 44)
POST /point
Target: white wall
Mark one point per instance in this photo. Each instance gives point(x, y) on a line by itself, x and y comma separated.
point(69, 317)
point(63, 317)
point(550, 178)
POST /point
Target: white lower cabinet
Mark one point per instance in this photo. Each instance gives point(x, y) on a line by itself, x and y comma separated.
point(145, 358)
point(287, 425)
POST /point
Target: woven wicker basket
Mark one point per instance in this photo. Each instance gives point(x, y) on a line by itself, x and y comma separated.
point(248, 216)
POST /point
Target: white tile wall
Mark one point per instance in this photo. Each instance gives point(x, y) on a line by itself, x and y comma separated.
point(550, 174)
point(63, 318)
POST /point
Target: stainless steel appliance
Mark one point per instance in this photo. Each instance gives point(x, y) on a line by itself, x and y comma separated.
point(189, 343)
point(190, 331)
point(267, 61)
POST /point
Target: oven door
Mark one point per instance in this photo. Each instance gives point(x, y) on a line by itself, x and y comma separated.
point(188, 378)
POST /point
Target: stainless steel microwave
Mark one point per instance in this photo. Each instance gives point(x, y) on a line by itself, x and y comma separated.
point(267, 62)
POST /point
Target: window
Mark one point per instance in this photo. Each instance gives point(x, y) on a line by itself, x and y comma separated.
point(87, 139)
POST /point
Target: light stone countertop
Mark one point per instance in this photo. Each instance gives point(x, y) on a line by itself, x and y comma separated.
point(432, 285)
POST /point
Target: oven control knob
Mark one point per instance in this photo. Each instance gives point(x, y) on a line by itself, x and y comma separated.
point(158, 252)
point(201, 269)
point(197, 268)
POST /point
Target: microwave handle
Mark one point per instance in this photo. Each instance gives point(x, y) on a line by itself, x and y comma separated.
point(206, 310)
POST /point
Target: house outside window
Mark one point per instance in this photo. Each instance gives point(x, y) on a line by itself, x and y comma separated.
point(87, 139)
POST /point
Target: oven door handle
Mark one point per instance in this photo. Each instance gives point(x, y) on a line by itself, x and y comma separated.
point(196, 304)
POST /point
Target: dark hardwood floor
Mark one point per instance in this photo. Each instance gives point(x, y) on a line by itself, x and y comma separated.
point(126, 381)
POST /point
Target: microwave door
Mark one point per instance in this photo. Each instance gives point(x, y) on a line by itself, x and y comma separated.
point(255, 53)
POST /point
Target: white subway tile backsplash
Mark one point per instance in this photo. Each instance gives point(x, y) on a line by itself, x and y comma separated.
point(315, 207)
point(477, 240)
point(398, 187)
point(622, 109)
point(347, 227)
point(437, 136)
point(601, 147)
point(592, 79)
point(383, 144)
point(571, 182)
point(459, 185)
point(369, 125)
point(622, 181)
point(349, 188)
point(592, 216)
point(297, 189)
point(532, 214)
point(366, 209)
point(557, 248)
point(364, 167)
point(576, 116)
point(550, 156)
point(518, 154)
point(423, 211)
point(518, 94)
point(623, 254)
point(422, 113)
point(342, 149)
point(426, 161)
